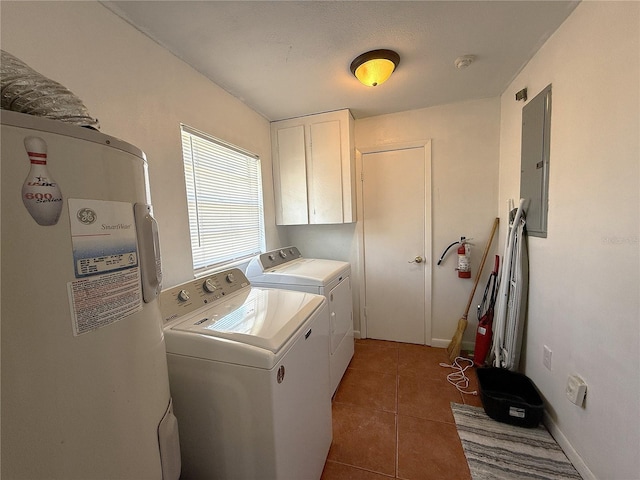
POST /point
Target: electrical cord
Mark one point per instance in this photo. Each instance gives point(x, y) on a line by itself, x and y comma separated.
point(458, 378)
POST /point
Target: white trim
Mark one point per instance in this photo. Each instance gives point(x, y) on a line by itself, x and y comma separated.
point(360, 242)
point(567, 448)
point(428, 244)
point(211, 138)
point(235, 264)
point(389, 147)
point(444, 343)
point(440, 342)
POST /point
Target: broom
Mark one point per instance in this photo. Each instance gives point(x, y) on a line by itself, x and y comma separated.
point(454, 346)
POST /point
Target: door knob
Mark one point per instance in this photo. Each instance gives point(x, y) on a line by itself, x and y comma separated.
point(418, 259)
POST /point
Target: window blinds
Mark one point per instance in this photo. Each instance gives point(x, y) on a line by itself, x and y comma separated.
point(224, 196)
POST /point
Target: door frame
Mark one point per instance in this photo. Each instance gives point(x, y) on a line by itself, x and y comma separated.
point(428, 234)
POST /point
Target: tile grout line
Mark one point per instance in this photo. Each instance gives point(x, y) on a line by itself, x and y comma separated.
point(361, 468)
point(397, 456)
point(397, 413)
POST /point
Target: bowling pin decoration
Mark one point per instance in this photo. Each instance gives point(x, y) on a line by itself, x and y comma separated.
point(40, 193)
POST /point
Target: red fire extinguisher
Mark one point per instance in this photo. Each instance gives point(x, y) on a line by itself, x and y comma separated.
point(484, 333)
point(464, 262)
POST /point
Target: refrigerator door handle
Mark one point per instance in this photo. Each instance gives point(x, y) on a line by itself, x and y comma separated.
point(149, 251)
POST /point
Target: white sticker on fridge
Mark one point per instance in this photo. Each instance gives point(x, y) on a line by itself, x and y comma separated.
point(103, 234)
point(101, 300)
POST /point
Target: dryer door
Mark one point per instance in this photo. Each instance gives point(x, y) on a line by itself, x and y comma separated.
point(340, 312)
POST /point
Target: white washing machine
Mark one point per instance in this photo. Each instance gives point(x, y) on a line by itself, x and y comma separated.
point(249, 375)
point(286, 268)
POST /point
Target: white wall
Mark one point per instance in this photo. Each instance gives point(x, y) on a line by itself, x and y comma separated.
point(584, 283)
point(465, 149)
point(140, 93)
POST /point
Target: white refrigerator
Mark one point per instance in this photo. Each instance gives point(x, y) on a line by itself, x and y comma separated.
point(84, 386)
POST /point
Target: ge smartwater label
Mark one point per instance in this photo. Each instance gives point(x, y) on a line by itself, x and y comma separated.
point(103, 234)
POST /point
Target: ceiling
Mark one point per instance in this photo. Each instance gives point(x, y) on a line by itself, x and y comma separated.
point(291, 58)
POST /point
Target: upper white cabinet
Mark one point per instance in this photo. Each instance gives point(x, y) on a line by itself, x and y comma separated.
point(314, 169)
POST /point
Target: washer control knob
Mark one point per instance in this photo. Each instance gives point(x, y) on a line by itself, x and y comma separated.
point(183, 295)
point(283, 254)
point(272, 257)
point(231, 278)
point(209, 286)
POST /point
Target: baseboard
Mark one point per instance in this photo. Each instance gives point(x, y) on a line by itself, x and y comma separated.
point(568, 449)
point(440, 343)
point(444, 343)
point(435, 342)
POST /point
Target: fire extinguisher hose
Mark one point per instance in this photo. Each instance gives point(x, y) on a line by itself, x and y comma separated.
point(445, 252)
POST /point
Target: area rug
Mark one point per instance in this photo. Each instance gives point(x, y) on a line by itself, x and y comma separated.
point(499, 451)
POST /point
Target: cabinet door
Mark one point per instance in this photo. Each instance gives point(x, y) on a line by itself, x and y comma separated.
point(325, 173)
point(290, 173)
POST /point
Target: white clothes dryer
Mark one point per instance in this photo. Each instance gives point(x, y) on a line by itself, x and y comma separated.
point(286, 268)
point(249, 375)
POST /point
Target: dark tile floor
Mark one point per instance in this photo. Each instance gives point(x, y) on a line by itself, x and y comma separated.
point(392, 416)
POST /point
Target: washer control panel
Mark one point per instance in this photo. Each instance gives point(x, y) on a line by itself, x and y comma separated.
point(183, 299)
point(278, 257)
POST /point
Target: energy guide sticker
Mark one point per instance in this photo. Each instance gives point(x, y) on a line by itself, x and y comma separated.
point(101, 300)
point(103, 235)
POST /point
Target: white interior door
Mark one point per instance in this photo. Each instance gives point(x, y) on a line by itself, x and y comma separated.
point(397, 261)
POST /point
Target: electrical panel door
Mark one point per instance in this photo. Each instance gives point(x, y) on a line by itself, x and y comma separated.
point(534, 172)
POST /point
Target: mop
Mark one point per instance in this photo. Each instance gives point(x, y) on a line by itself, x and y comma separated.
point(512, 294)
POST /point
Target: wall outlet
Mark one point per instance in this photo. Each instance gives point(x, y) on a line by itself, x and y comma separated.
point(546, 357)
point(576, 389)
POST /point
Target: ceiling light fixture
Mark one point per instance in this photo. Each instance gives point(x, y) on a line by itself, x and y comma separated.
point(375, 67)
point(464, 61)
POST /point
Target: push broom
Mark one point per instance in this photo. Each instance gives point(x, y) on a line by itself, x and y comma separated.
point(453, 350)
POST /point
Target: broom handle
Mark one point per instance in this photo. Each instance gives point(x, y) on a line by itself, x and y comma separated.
point(484, 257)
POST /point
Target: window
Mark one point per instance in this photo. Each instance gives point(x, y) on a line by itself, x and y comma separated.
point(224, 196)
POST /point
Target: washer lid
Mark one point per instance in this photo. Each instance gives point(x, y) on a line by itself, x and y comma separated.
point(303, 271)
point(263, 318)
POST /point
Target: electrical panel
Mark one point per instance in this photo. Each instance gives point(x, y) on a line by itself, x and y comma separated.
point(534, 167)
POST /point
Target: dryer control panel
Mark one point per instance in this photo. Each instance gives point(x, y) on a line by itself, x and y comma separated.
point(190, 296)
point(278, 257)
